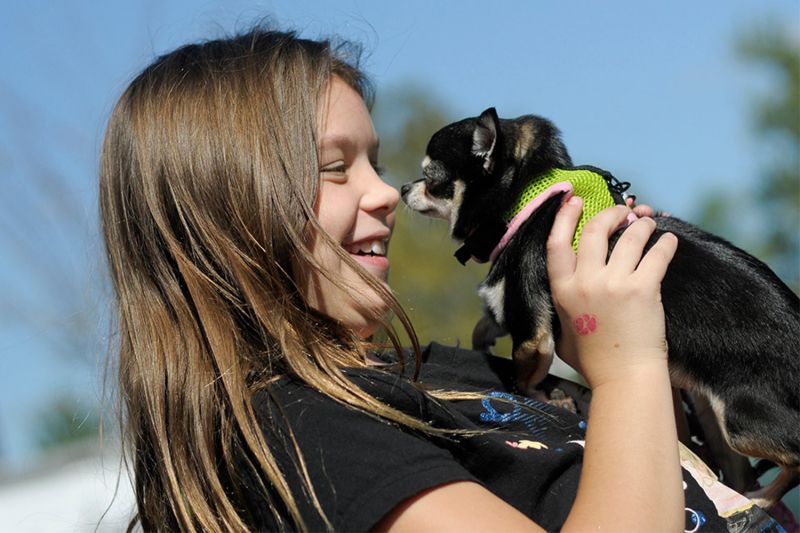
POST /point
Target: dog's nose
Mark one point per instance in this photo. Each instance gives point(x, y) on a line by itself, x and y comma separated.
point(405, 189)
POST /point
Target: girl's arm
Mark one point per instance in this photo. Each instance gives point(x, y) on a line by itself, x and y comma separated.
point(614, 334)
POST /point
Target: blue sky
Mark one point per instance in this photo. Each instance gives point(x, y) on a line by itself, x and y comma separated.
point(652, 91)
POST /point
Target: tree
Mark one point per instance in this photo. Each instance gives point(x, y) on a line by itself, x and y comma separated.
point(63, 422)
point(775, 202)
point(438, 294)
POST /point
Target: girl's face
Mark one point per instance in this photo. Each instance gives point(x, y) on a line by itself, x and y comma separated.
point(356, 208)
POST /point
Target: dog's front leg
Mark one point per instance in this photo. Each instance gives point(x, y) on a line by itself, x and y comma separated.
point(533, 355)
point(529, 313)
point(529, 320)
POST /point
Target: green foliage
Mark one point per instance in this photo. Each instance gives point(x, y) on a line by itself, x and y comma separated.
point(435, 290)
point(775, 203)
point(778, 111)
point(63, 422)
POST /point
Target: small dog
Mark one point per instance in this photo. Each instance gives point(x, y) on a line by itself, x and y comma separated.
point(733, 327)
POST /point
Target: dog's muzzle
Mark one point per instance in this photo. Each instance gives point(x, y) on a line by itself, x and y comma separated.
point(405, 189)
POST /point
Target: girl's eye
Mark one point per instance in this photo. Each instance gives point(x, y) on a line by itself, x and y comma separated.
point(337, 172)
point(335, 169)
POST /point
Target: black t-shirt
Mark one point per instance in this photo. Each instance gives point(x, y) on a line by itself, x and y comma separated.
point(527, 452)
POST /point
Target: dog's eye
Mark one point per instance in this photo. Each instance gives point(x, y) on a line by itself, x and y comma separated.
point(440, 188)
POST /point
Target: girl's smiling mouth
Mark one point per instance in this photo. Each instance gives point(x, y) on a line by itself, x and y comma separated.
point(370, 253)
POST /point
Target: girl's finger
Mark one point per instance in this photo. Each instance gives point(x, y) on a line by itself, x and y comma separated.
point(655, 262)
point(560, 257)
point(628, 251)
point(593, 246)
point(643, 210)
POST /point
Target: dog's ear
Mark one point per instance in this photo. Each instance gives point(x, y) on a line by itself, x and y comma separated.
point(484, 138)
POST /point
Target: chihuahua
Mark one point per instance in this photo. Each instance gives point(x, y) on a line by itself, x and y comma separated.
point(733, 327)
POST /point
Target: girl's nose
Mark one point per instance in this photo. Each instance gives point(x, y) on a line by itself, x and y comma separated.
point(380, 195)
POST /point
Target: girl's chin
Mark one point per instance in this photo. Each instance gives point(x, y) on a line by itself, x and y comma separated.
point(365, 325)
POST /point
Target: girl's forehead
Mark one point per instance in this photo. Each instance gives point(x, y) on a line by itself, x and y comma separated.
point(346, 119)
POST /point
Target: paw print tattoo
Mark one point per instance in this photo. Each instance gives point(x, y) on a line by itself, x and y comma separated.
point(586, 324)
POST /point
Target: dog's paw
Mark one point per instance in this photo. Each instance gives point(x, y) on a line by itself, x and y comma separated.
point(560, 399)
point(485, 334)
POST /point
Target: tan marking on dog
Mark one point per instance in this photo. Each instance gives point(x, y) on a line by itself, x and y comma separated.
point(681, 380)
point(719, 411)
point(785, 481)
point(455, 203)
point(426, 162)
point(532, 360)
point(763, 448)
point(526, 139)
point(419, 200)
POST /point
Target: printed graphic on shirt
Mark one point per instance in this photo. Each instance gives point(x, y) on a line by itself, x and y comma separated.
point(537, 417)
point(547, 432)
point(525, 444)
point(740, 513)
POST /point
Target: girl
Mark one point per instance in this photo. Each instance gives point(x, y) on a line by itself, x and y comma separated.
point(246, 226)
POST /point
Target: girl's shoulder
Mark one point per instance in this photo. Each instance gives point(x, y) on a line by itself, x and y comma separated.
point(360, 465)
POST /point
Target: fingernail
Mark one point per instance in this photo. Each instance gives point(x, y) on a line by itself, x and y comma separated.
point(575, 200)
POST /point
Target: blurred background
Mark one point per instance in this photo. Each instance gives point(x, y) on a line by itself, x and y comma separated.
point(695, 103)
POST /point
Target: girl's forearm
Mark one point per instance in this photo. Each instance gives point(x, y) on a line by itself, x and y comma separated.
point(631, 478)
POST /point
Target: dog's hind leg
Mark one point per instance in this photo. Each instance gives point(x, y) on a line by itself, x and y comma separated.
point(735, 468)
point(786, 480)
point(766, 427)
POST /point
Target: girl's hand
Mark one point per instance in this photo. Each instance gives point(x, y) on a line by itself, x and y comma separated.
point(610, 311)
point(643, 210)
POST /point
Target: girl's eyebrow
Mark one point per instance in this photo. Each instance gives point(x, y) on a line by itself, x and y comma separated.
point(338, 140)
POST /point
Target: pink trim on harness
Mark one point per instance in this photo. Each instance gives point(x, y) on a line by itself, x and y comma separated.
point(527, 211)
point(531, 207)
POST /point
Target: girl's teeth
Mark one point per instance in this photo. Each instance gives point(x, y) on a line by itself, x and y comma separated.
point(374, 247)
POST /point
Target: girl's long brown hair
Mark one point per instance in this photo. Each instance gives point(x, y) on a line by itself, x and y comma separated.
point(208, 179)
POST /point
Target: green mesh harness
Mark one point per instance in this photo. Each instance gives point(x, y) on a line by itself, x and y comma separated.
point(594, 186)
point(598, 189)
